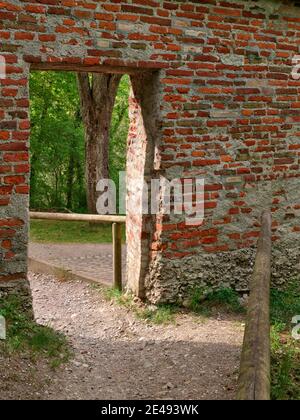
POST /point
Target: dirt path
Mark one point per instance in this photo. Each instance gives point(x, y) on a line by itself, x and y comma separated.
point(117, 356)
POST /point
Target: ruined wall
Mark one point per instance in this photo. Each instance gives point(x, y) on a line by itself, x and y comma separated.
point(229, 112)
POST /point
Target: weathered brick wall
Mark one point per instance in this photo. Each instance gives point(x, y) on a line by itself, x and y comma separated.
point(229, 112)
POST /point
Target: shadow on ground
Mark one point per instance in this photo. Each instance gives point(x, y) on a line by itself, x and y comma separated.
point(128, 370)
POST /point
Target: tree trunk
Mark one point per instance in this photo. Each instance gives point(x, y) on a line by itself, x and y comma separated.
point(70, 176)
point(97, 95)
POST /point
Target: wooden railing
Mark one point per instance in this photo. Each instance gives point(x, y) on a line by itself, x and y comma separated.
point(116, 221)
point(254, 379)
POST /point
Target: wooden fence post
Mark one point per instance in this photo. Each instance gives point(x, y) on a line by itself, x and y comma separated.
point(117, 259)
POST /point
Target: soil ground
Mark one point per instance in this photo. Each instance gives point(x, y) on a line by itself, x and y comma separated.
point(117, 356)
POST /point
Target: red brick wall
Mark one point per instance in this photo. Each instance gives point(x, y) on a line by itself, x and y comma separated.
point(229, 109)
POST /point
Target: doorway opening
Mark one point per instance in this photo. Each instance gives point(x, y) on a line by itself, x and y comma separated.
point(62, 161)
point(60, 169)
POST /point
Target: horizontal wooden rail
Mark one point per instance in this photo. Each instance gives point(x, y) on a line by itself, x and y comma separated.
point(72, 217)
point(254, 379)
point(116, 221)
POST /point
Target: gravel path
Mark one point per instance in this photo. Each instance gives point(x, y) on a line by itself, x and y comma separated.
point(117, 356)
point(93, 261)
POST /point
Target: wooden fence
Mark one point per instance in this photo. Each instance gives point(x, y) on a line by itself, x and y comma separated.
point(254, 379)
point(116, 222)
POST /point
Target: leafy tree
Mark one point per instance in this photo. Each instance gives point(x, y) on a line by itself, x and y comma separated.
point(97, 96)
point(58, 145)
point(119, 131)
point(57, 148)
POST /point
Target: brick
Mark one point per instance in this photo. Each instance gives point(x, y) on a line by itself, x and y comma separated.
point(6, 244)
point(16, 157)
point(35, 9)
point(11, 223)
point(135, 9)
point(14, 180)
point(7, 233)
point(22, 189)
point(4, 135)
point(26, 36)
point(47, 38)
point(104, 16)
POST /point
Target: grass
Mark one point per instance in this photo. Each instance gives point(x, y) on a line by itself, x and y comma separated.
point(114, 295)
point(158, 315)
point(285, 304)
point(285, 351)
point(200, 303)
point(52, 231)
point(206, 302)
point(161, 314)
point(24, 335)
point(285, 366)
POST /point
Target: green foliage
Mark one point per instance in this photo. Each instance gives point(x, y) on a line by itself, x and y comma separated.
point(285, 352)
point(57, 141)
point(201, 302)
point(160, 314)
point(112, 294)
point(119, 131)
point(25, 335)
point(196, 299)
point(52, 231)
point(204, 302)
point(285, 304)
point(285, 366)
